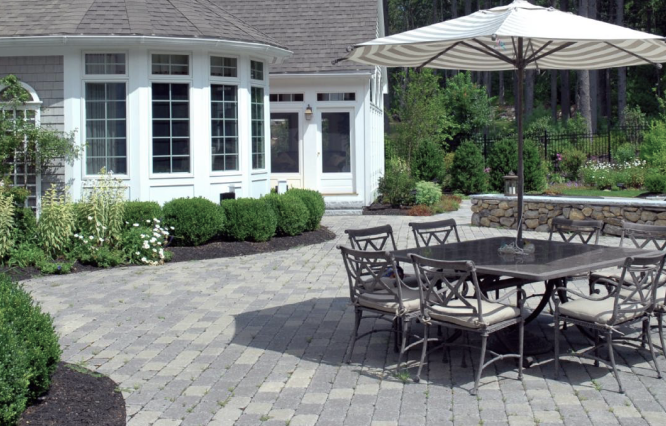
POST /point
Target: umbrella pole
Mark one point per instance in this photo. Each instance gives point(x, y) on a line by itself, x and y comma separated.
point(519, 122)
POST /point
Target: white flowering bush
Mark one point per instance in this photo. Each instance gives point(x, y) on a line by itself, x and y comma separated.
point(144, 243)
point(56, 222)
point(93, 249)
point(102, 208)
point(606, 175)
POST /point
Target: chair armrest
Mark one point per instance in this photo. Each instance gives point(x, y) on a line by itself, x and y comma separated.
point(577, 293)
point(517, 291)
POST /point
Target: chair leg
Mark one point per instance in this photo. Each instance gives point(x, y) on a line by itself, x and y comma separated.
point(556, 342)
point(359, 316)
point(646, 330)
point(596, 347)
point(661, 333)
point(521, 339)
point(424, 351)
point(646, 323)
point(611, 356)
point(463, 364)
point(403, 340)
point(397, 327)
point(482, 358)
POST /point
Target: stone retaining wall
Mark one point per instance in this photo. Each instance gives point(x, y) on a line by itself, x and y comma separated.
point(498, 211)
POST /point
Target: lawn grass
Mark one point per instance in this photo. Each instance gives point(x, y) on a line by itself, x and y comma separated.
point(627, 193)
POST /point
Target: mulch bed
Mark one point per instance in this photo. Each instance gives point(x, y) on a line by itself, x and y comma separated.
point(213, 250)
point(385, 209)
point(77, 397)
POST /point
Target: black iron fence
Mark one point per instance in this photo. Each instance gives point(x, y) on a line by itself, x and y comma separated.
point(600, 145)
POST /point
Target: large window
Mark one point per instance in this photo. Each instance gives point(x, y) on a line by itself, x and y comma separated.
point(171, 128)
point(106, 127)
point(284, 142)
point(224, 125)
point(336, 142)
point(258, 142)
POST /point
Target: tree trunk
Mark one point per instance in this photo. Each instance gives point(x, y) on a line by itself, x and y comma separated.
point(621, 72)
point(564, 76)
point(553, 86)
point(500, 95)
point(468, 7)
point(529, 93)
point(584, 82)
point(594, 76)
point(454, 9)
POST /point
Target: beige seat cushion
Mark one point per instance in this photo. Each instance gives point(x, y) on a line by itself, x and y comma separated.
point(598, 311)
point(457, 313)
point(384, 301)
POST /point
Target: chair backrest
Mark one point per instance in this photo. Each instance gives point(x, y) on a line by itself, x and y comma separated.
point(371, 272)
point(372, 238)
point(643, 235)
point(638, 280)
point(434, 233)
point(584, 229)
point(442, 282)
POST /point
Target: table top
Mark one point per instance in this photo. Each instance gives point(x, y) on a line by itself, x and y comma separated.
point(551, 259)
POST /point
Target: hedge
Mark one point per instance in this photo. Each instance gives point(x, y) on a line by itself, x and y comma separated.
point(195, 220)
point(249, 219)
point(292, 214)
point(314, 201)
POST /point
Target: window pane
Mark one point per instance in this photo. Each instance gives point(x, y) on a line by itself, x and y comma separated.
point(116, 109)
point(170, 64)
point(95, 91)
point(96, 147)
point(95, 110)
point(118, 165)
point(160, 91)
point(171, 128)
point(231, 162)
point(161, 110)
point(336, 142)
point(116, 129)
point(224, 123)
point(161, 147)
point(105, 63)
point(95, 165)
point(161, 129)
point(180, 92)
point(180, 147)
point(180, 128)
point(284, 143)
point(223, 67)
point(180, 110)
point(117, 148)
point(257, 127)
point(256, 70)
point(161, 165)
point(181, 164)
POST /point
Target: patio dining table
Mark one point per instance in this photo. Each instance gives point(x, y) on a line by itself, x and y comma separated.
point(552, 262)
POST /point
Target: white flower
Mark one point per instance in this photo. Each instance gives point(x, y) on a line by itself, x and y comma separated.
point(90, 218)
point(172, 228)
point(154, 251)
point(104, 228)
point(156, 220)
point(91, 237)
point(137, 253)
point(80, 237)
point(143, 259)
point(143, 235)
point(147, 221)
point(136, 225)
point(126, 223)
point(85, 242)
point(156, 234)
point(101, 240)
point(76, 235)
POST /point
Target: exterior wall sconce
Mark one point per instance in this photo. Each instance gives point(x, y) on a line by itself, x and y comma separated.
point(510, 184)
point(308, 112)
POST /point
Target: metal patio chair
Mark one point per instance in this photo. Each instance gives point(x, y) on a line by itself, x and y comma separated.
point(376, 238)
point(585, 230)
point(376, 289)
point(442, 303)
point(434, 233)
point(631, 301)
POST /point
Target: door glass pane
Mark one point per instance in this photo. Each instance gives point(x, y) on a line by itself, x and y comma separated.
point(284, 143)
point(336, 142)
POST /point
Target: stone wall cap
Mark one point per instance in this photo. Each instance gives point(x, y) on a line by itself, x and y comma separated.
point(609, 201)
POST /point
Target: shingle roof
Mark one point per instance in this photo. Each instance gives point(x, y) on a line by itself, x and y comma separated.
point(168, 18)
point(317, 31)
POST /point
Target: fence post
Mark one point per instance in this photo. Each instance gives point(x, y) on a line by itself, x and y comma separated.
point(609, 144)
point(545, 145)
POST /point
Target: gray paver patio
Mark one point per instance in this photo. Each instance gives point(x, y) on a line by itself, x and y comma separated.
point(260, 340)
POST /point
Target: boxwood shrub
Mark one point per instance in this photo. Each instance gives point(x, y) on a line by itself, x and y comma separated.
point(249, 219)
point(29, 350)
point(292, 214)
point(314, 201)
point(141, 211)
point(195, 220)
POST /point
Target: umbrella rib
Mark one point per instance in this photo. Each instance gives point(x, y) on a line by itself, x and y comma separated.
point(490, 51)
point(443, 52)
point(534, 54)
point(634, 54)
point(557, 49)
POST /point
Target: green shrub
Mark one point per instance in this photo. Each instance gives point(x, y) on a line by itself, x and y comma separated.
point(427, 193)
point(26, 254)
point(314, 201)
point(101, 255)
point(249, 219)
point(53, 267)
point(6, 224)
point(653, 148)
point(141, 211)
point(428, 162)
point(291, 213)
point(145, 245)
point(572, 160)
point(448, 162)
point(503, 158)
point(467, 171)
point(396, 186)
point(103, 206)
point(29, 350)
point(655, 182)
point(195, 220)
point(56, 222)
point(624, 153)
point(25, 224)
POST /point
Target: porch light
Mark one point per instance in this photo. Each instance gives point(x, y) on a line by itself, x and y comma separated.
point(308, 112)
point(510, 183)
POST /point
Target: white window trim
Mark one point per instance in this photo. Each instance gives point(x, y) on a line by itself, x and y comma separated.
point(124, 76)
point(153, 175)
point(221, 173)
point(221, 79)
point(128, 119)
point(267, 121)
point(287, 102)
point(352, 143)
point(152, 76)
point(254, 81)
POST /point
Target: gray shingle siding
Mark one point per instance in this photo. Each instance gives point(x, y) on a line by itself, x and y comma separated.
point(45, 75)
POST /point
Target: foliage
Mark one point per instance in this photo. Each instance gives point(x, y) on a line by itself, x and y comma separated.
point(467, 171)
point(103, 206)
point(396, 185)
point(140, 211)
point(6, 224)
point(56, 222)
point(420, 210)
point(655, 182)
point(29, 350)
point(26, 254)
point(653, 149)
point(468, 104)
point(50, 267)
point(144, 244)
point(607, 176)
point(448, 162)
point(249, 219)
point(448, 203)
point(291, 213)
point(195, 220)
point(419, 115)
point(101, 256)
point(427, 193)
point(503, 158)
point(428, 162)
point(624, 153)
point(571, 160)
point(314, 201)
point(40, 147)
point(25, 224)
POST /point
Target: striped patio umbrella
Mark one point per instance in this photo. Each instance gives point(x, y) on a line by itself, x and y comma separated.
point(516, 37)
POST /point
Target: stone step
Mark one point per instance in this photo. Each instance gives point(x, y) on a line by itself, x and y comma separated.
point(343, 212)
